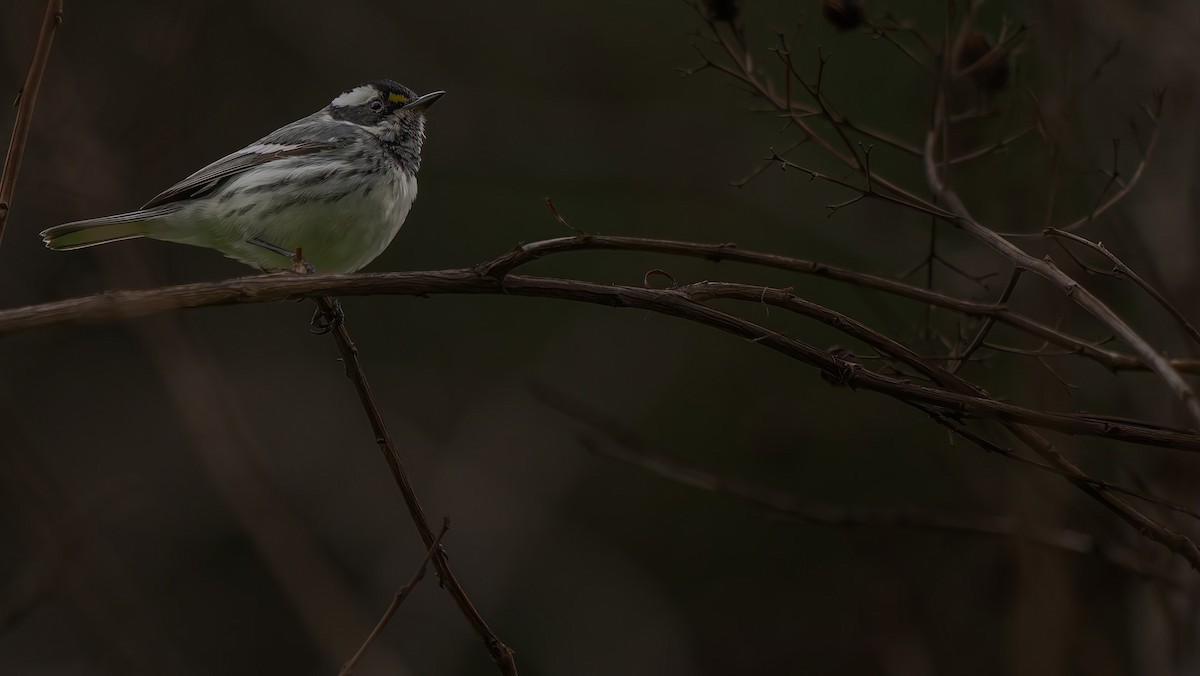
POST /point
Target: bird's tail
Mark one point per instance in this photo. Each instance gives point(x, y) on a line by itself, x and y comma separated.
point(93, 231)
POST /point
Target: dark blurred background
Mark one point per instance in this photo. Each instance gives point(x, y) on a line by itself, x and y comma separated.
point(199, 493)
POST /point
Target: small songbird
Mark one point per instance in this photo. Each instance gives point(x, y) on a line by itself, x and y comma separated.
point(335, 185)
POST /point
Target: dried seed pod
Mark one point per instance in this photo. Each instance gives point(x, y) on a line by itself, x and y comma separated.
point(844, 14)
point(991, 76)
point(723, 10)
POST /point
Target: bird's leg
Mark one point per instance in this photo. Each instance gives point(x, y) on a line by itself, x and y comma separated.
point(299, 265)
point(273, 248)
point(329, 315)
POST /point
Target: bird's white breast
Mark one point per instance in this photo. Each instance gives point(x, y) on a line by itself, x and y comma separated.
point(340, 226)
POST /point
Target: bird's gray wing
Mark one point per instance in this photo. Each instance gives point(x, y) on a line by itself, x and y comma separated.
point(290, 141)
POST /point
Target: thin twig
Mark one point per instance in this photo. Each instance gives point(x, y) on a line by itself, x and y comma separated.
point(792, 506)
point(988, 322)
point(20, 134)
point(527, 253)
point(501, 654)
point(960, 217)
point(1125, 270)
point(984, 151)
point(397, 599)
point(937, 374)
point(1138, 172)
point(1173, 540)
point(1069, 287)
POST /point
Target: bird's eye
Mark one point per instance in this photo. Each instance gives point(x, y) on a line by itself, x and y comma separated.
point(377, 105)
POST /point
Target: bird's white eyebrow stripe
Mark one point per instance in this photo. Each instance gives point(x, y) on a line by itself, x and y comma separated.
point(265, 148)
point(355, 97)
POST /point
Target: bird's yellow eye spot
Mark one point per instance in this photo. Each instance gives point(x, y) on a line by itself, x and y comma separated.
point(397, 98)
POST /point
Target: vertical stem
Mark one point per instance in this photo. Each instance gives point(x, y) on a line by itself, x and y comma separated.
point(28, 97)
point(501, 654)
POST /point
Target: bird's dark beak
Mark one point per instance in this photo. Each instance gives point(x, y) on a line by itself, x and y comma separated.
point(422, 103)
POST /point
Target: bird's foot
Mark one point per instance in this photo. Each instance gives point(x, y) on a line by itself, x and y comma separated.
point(328, 316)
point(301, 266)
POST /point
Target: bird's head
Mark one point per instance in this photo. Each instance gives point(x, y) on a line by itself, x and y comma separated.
point(387, 109)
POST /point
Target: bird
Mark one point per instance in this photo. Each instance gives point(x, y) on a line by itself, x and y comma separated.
point(332, 189)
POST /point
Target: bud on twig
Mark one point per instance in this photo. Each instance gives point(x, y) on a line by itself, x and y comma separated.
point(991, 76)
point(844, 14)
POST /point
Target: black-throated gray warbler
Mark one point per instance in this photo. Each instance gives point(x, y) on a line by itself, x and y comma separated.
point(336, 185)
